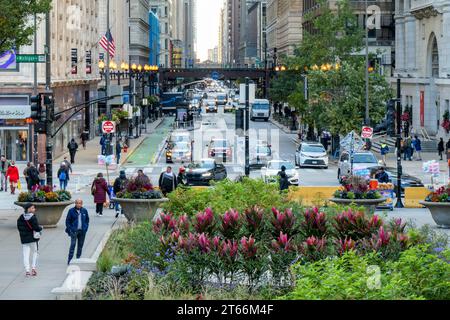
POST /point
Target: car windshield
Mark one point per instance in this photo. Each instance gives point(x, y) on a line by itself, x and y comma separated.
point(201, 165)
point(182, 145)
point(278, 165)
point(364, 158)
point(313, 148)
point(260, 106)
point(219, 143)
point(221, 97)
point(263, 150)
point(180, 138)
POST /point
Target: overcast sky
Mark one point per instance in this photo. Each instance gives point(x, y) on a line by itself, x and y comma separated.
point(208, 14)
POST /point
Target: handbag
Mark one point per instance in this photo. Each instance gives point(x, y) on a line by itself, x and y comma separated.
point(18, 185)
point(36, 234)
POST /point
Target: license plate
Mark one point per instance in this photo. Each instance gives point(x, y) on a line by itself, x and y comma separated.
point(314, 162)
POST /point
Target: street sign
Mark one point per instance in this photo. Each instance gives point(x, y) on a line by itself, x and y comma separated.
point(367, 133)
point(108, 127)
point(30, 58)
point(251, 90)
point(215, 75)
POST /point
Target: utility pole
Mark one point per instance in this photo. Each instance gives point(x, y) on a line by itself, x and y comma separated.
point(247, 125)
point(107, 85)
point(399, 203)
point(35, 91)
point(367, 117)
point(49, 144)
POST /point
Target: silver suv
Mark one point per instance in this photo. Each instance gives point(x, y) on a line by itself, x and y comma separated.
point(361, 159)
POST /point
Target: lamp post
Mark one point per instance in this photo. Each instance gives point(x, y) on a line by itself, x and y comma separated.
point(366, 118)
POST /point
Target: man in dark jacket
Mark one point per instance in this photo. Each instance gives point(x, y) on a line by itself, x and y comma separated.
point(4, 165)
point(441, 147)
point(119, 185)
point(382, 176)
point(33, 177)
point(77, 224)
point(167, 181)
point(27, 224)
point(284, 182)
point(73, 147)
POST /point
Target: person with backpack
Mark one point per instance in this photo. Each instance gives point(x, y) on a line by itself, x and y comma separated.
point(84, 137)
point(29, 231)
point(167, 181)
point(63, 176)
point(13, 174)
point(418, 147)
point(33, 178)
point(73, 147)
point(99, 189)
point(77, 224)
point(119, 185)
point(42, 174)
point(26, 175)
point(4, 165)
point(284, 181)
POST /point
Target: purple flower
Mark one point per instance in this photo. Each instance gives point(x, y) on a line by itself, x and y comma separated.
point(438, 249)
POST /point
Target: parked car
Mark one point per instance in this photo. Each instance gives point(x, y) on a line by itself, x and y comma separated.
point(269, 173)
point(220, 149)
point(361, 159)
point(260, 155)
point(311, 154)
point(204, 171)
point(407, 181)
point(180, 152)
point(210, 106)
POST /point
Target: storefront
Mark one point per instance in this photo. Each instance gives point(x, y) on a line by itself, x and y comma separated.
point(15, 142)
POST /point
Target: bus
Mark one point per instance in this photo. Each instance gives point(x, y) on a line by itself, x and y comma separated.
point(170, 100)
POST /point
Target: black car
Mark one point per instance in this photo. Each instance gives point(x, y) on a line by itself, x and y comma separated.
point(201, 173)
point(407, 181)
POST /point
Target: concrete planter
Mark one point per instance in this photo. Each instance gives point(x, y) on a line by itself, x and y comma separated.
point(440, 212)
point(139, 210)
point(369, 204)
point(48, 213)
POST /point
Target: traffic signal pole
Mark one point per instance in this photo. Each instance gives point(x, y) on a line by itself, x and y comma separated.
point(247, 125)
point(51, 107)
point(398, 192)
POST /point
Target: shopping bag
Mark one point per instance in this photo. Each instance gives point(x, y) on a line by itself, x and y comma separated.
point(18, 185)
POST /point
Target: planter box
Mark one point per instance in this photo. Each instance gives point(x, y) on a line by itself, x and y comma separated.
point(48, 213)
point(440, 212)
point(139, 210)
point(369, 204)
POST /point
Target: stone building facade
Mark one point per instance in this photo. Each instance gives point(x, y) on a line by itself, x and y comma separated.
point(422, 61)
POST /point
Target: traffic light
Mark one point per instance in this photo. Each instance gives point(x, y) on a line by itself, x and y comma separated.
point(49, 103)
point(390, 118)
point(36, 107)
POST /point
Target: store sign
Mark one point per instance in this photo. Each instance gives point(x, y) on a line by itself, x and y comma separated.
point(15, 112)
point(88, 62)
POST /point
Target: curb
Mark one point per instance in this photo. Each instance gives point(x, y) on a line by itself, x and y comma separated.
point(281, 127)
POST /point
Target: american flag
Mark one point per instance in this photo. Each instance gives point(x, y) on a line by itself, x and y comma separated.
point(107, 38)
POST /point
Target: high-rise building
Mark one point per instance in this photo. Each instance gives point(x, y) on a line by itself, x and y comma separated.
point(139, 31)
point(154, 40)
point(254, 43)
point(163, 9)
point(74, 52)
point(422, 61)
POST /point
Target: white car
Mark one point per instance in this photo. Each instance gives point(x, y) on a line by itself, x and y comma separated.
point(270, 172)
point(180, 152)
point(311, 154)
point(361, 160)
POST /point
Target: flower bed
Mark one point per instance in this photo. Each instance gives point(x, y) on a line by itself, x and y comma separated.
point(45, 194)
point(136, 189)
point(356, 188)
point(440, 195)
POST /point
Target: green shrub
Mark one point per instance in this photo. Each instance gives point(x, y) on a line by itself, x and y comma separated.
point(416, 275)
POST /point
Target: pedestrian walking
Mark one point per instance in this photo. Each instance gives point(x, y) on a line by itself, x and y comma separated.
point(42, 174)
point(103, 144)
point(284, 182)
point(182, 178)
point(418, 147)
point(142, 179)
point(13, 174)
point(408, 149)
point(448, 145)
point(384, 151)
point(77, 224)
point(4, 165)
point(118, 150)
point(73, 147)
point(29, 231)
point(33, 178)
point(67, 164)
point(63, 176)
point(26, 175)
point(119, 185)
point(84, 137)
point(441, 147)
point(99, 189)
point(167, 181)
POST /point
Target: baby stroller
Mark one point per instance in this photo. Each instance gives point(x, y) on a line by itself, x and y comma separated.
point(112, 203)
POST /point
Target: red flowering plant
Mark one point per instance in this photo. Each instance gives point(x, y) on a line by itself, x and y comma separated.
point(314, 223)
point(313, 248)
point(440, 195)
point(355, 225)
point(356, 187)
point(231, 224)
point(253, 260)
point(136, 189)
point(284, 222)
point(204, 221)
point(44, 194)
point(254, 220)
point(345, 245)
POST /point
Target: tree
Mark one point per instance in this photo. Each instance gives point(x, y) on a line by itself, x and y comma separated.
point(16, 23)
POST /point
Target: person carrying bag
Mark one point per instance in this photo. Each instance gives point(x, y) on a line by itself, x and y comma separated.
point(30, 233)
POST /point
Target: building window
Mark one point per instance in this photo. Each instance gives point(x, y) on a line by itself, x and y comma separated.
point(434, 59)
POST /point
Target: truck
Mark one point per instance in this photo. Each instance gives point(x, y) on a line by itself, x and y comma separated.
point(260, 109)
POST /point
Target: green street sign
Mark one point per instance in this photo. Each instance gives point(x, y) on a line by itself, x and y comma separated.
point(30, 58)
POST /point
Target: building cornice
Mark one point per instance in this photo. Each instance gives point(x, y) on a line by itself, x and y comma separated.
point(426, 12)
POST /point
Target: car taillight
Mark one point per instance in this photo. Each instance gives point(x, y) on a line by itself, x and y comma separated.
point(228, 152)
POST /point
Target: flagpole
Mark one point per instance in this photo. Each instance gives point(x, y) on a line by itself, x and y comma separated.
point(107, 89)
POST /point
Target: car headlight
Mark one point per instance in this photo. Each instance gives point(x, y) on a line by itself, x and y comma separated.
point(169, 154)
point(207, 175)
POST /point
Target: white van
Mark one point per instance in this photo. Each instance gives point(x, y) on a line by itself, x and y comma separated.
point(260, 109)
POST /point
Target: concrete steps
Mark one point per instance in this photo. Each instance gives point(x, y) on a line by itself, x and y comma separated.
point(427, 146)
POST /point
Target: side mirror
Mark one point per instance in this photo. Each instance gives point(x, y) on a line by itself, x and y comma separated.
point(345, 161)
point(297, 167)
point(380, 162)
